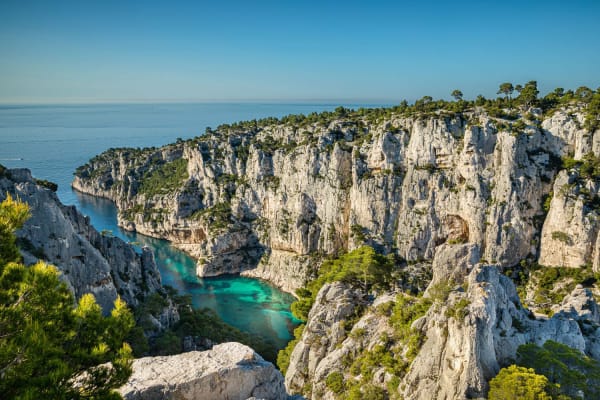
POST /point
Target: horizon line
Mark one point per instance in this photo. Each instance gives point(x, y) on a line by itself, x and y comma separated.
point(328, 101)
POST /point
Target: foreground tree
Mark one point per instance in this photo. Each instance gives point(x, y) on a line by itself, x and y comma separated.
point(50, 349)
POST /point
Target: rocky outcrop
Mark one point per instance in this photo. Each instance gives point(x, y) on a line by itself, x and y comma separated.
point(335, 304)
point(468, 335)
point(89, 261)
point(570, 234)
point(228, 371)
point(266, 200)
point(461, 355)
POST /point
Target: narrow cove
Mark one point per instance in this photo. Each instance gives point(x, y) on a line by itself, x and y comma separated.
point(250, 305)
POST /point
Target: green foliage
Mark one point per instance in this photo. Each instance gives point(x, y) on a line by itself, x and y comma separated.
point(366, 392)
point(13, 215)
point(459, 310)
point(518, 383)
point(457, 94)
point(506, 89)
point(47, 184)
point(358, 233)
point(381, 356)
point(588, 167)
point(561, 237)
point(592, 118)
point(46, 342)
point(167, 343)
point(166, 178)
point(552, 284)
point(529, 93)
point(362, 267)
point(406, 311)
point(217, 217)
point(335, 382)
point(283, 357)
point(568, 368)
point(547, 200)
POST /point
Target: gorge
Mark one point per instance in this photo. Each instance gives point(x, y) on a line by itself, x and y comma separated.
point(465, 200)
point(429, 246)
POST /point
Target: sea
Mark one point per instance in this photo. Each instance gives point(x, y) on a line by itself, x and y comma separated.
point(53, 140)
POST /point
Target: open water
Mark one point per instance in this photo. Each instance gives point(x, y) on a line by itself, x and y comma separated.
point(53, 140)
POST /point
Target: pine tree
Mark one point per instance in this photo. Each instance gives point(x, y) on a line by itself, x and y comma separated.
point(49, 348)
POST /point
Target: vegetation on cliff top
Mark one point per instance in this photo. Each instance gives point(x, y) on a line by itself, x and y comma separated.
point(165, 179)
point(50, 348)
point(509, 110)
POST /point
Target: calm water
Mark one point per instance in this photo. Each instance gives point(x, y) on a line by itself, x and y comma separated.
point(53, 140)
point(249, 304)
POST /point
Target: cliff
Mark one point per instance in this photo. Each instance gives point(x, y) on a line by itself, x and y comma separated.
point(269, 200)
point(89, 261)
point(489, 216)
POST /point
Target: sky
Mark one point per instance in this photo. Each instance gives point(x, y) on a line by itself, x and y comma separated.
point(365, 51)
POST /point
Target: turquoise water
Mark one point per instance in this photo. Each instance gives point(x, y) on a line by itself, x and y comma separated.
point(249, 304)
point(54, 140)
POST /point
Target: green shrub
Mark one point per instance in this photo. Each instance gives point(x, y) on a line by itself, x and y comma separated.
point(167, 178)
point(569, 369)
point(218, 217)
point(335, 382)
point(283, 357)
point(362, 267)
point(47, 184)
point(518, 383)
point(459, 310)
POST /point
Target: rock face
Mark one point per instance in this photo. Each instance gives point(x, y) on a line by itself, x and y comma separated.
point(228, 371)
point(89, 261)
point(462, 350)
point(324, 331)
point(267, 201)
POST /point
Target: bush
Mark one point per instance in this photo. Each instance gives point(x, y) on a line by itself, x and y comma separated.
point(518, 383)
point(335, 382)
point(362, 267)
point(166, 178)
point(283, 357)
point(568, 368)
point(47, 341)
point(47, 184)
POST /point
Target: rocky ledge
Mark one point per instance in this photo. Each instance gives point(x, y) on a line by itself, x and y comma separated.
point(229, 371)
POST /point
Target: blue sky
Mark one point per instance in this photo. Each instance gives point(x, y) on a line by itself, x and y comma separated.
point(88, 51)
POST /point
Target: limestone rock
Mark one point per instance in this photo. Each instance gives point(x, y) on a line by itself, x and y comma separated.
point(570, 230)
point(265, 201)
point(228, 371)
point(89, 261)
point(324, 331)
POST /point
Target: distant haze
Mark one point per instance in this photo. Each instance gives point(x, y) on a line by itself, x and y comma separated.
point(377, 51)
